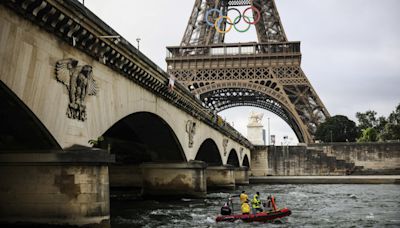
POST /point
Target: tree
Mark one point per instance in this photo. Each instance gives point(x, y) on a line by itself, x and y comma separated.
point(337, 129)
point(394, 117)
point(368, 135)
point(391, 132)
point(367, 119)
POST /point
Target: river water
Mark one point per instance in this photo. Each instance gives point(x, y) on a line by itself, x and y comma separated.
point(311, 205)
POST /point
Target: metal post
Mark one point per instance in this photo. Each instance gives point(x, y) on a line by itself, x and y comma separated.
point(138, 42)
point(269, 133)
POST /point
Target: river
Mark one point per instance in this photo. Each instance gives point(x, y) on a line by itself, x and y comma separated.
point(311, 205)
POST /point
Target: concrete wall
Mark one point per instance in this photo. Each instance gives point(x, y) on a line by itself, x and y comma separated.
point(174, 179)
point(296, 161)
point(28, 57)
point(259, 161)
point(220, 177)
point(370, 158)
point(125, 176)
point(49, 189)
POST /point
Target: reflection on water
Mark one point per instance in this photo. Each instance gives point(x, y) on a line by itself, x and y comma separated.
point(311, 205)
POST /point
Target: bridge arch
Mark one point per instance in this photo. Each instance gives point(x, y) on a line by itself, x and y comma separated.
point(268, 96)
point(246, 161)
point(209, 153)
point(20, 128)
point(143, 137)
point(233, 158)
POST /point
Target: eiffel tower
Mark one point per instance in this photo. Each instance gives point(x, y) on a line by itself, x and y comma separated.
point(265, 74)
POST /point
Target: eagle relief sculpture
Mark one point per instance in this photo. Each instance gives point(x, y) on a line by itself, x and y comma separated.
point(79, 82)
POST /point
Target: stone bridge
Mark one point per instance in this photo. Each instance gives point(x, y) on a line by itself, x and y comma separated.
point(69, 81)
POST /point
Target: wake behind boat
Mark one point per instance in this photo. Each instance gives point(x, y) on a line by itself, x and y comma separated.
point(259, 217)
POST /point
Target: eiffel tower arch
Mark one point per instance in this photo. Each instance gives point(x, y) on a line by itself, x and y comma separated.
point(265, 74)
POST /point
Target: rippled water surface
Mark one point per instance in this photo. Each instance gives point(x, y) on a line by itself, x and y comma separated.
point(311, 205)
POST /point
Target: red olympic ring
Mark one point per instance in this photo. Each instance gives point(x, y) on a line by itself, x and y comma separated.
point(256, 20)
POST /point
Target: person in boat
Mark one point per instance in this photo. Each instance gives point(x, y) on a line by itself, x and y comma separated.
point(271, 206)
point(246, 207)
point(243, 197)
point(226, 209)
point(256, 203)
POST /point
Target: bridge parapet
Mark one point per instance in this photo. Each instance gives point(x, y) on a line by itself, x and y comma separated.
point(79, 27)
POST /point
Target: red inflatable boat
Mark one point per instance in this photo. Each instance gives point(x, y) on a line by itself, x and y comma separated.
point(259, 217)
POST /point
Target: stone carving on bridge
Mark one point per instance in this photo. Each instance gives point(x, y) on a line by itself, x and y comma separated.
point(191, 130)
point(79, 82)
point(225, 145)
point(241, 153)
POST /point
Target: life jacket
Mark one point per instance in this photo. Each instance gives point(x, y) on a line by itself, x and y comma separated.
point(245, 208)
point(256, 203)
point(243, 197)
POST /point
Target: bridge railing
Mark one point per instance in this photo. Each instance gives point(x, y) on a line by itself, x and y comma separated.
point(235, 49)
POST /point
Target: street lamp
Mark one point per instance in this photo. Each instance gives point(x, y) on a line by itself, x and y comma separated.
point(138, 42)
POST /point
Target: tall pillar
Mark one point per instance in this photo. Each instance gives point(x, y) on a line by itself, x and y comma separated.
point(220, 177)
point(42, 189)
point(255, 129)
point(242, 175)
point(259, 161)
point(174, 179)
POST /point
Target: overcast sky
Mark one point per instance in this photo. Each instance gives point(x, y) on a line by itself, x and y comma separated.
point(351, 48)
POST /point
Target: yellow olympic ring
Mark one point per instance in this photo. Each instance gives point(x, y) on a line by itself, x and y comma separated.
point(216, 24)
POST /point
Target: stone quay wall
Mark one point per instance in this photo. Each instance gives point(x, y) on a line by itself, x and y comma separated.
point(369, 158)
point(303, 161)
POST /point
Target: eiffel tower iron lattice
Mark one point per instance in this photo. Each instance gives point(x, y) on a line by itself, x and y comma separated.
point(266, 74)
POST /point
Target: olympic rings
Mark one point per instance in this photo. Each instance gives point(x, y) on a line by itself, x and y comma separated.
point(217, 23)
point(238, 30)
point(208, 14)
point(258, 15)
point(240, 14)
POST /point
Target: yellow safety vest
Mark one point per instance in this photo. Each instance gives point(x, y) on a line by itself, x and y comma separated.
point(256, 202)
point(243, 198)
point(245, 208)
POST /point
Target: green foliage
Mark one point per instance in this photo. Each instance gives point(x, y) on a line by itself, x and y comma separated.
point(368, 135)
point(337, 129)
point(384, 128)
point(367, 119)
point(96, 142)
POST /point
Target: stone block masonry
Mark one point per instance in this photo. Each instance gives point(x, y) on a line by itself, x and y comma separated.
point(369, 158)
point(55, 189)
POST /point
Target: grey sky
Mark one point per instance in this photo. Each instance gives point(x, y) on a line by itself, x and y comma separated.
point(351, 48)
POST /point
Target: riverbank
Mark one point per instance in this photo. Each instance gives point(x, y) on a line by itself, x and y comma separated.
point(382, 179)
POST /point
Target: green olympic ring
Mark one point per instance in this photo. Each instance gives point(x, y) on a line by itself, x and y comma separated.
point(240, 17)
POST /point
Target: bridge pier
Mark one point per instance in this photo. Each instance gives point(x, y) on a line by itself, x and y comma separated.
point(125, 176)
point(46, 189)
point(174, 179)
point(220, 177)
point(242, 175)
